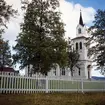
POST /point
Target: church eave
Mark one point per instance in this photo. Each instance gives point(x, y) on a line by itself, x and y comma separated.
point(79, 37)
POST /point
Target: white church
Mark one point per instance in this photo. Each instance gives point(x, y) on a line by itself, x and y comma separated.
point(85, 63)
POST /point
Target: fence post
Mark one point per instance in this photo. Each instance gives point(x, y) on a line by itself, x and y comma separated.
point(82, 90)
point(46, 84)
point(104, 86)
point(1, 81)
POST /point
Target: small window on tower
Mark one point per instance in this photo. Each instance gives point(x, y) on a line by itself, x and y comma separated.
point(79, 73)
point(79, 31)
point(80, 45)
point(76, 46)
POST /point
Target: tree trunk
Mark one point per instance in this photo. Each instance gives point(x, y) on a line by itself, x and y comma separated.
point(72, 73)
point(28, 70)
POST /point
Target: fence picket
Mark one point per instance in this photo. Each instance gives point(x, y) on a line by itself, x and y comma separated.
point(1, 82)
point(82, 85)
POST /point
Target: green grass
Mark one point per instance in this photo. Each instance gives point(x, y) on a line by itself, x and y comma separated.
point(94, 85)
point(64, 84)
point(53, 99)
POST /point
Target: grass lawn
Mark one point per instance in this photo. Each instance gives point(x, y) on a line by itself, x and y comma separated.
point(53, 99)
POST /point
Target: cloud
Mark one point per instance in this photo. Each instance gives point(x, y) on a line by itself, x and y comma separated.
point(16, 4)
point(70, 16)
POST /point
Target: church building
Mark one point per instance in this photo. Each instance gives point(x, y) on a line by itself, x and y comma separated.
point(85, 64)
point(79, 44)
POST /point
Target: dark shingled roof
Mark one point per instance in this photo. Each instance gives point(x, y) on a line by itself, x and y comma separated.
point(7, 69)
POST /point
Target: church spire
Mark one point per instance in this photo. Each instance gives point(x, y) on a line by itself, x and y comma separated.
point(80, 19)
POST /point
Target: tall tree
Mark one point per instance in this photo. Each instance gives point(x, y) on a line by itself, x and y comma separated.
point(6, 12)
point(41, 42)
point(73, 61)
point(73, 58)
point(97, 40)
point(5, 54)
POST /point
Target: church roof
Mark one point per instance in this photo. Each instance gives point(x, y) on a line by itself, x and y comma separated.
point(79, 37)
point(80, 19)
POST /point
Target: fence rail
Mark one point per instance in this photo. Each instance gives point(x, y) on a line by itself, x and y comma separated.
point(11, 83)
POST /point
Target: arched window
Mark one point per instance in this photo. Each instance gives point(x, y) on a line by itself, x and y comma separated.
point(76, 46)
point(54, 71)
point(80, 45)
point(63, 71)
point(79, 31)
point(79, 73)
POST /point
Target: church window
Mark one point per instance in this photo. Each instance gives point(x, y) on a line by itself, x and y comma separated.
point(79, 73)
point(63, 71)
point(54, 71)
point(76, 46)
point(80, 45)
point(79, 31)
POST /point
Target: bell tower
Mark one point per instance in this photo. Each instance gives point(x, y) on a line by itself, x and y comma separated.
point(81, 29)
point(80, 46)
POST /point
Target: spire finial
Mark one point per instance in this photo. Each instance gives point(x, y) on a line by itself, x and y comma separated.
point(80, 19)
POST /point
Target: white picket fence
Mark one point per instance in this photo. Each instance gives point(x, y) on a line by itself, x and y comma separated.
point(12, 83)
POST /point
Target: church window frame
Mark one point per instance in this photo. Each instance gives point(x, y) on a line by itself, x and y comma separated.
point(80, 45)
point(79, 31)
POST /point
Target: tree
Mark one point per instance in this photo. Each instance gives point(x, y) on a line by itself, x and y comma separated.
point(5, 54)
point(97, 40)
point(73, 58)
point(6, 12)
point(41, 42)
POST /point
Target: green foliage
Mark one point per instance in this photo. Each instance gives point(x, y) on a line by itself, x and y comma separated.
point(73, 58)
point(5, 54)
point(97, 39)
point(6, 12)
point(41, 42)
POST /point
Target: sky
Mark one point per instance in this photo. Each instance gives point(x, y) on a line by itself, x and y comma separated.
point(70, 10)
point(96, 4)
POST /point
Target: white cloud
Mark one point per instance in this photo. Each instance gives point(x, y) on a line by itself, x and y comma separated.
point(70, 16)
point(15, 3)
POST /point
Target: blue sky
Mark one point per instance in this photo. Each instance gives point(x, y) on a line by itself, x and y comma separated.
point(96, 4)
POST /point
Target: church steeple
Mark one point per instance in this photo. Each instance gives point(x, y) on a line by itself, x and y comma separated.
point(80, 19)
